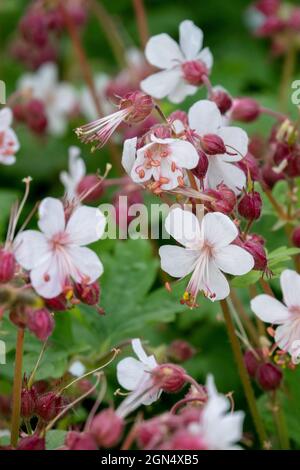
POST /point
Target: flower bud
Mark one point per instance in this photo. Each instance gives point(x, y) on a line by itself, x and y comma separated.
point(250, 205)
point(212, 144)
point(92, 187)
point(107, 428)
point(34, 28)
point(179, 116)
point(269, 376)
point(80, 441)
point(88, 293)
point(19, 316)
point(222, 99)
point(249, 165)
point(58, 303)
point(268, 7)
point(224, 199)
point(270, 177)
point(296, 237)
point(41, 323)
point(28, 400)
point(194, 72)
point(245, 110)
point(169, 377)
point(201, 169)
point(33, 442)
point(48, 406)
point(252, 362)
point(258, 252)
point(19, 112)
point(141, 106)
point(7, 265)
point(148, 431)
point(35, 115)
point(183, 440)
point(180, 351)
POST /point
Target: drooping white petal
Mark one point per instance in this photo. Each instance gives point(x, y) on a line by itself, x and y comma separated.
point(31, 248)
point(130, 372)
point(236, 142)
point(129, 153)
point(183, 226)
point(233, 259)
point(215, 283)
point(220, 171)
point(219, 230)
point(177, 261)
point(86, 225)
point(184, 154)
point(163, 52)
point(6, 118)
point(51, 216)
point(84, 264)
point(161, 84)
point(290, 285)
point(206, 57)
point(190, 39)
point(205, 117)
point(270, 310)
point(181, 91)
point(139, 350)
point(48, 278)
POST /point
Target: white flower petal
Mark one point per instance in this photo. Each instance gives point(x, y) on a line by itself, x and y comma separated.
point(290, 285)
point(177, 261)
point(184, 154)
point(163, 52)
point(139, 350)
point(270, 310)
point(233, 259)
point(181, 91)
point(84, 264)
point(161, 84)
point(220, 171)
point(6, 118)
point(190, 39)
point(7, 160)
point(236, 141)
point(288, 334)
point(48, 278)
point(86, 225)
point(31, 248)
point(215, 283)
point(219, 230)
point(206, 57)
point(129, 153)
point(183, 226)
point(130, 372)
point(205, 117)
point(51, 216)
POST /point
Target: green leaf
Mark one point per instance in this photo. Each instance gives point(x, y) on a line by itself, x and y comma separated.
point(247, 279)
point(55, 438)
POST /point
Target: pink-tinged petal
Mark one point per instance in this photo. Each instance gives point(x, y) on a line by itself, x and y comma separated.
point(51, 217)
point(215, 284)
point(222, 172)
point(205, 117)
point(181, 91)
point(236, 142)
point(10, 136)
point(31, 248)
point(163, 52)
point(290, 286)
point(130, 372)
point(7, 160)
point(219, 230)
point(48, 278)
point(161, 84)
point(288, 334)
point(270, 310)
point(183, 226)
point(84, 264)
point(177, 261)
point(6, 118)
point(206, 57)
point(234, 260)
point(86, 225)
point(129, 153)
point(190, 39)
point(184, 154)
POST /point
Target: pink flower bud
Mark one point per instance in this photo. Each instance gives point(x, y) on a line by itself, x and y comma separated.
point(201, 169)
point(194, 72)
point(222, 100)
point(268, 7)
point(269, 376)
point(249, 165)
point(80, 441)
point(35, 116)
point(33, 442)
point(180, 351)
point(258, 252)
point(169, 377)
point(19, 112)
point(212, 144)
point(270, 177)
point(183, 440)
point(92, 187)
point(88, 293)
point(149, 431)
point(245, 110)
point(224, 199)
point(179, 116)
point(250, 205)
point(48, 406)
point(296, 237)
point(141, 106)
point(41, 323)
point(251, 362)
point(58, 303)
point(107, 428)
point(33, 27)
point(7, 265)
point(271, 26)
point(28, 400)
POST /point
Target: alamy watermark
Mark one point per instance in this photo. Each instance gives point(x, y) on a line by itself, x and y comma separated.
point(2, 92)
point(2, 352)
point(295, 97)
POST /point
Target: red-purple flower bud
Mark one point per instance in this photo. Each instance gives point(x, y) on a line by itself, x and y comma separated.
point(88, 293)
point(179, 116)
point(41, 323)
point(141, 106)
point(212, 144)
point(180, 350)
point(270, 177)
point(258, 252)
point(19, 112)
point(250, 205)
point(7, 265)
point(271, 26)
point(183, 440)
point(19, 316)
point(169, 377)
point(224, 199)
point(201, 169)
point(194, 72)
point(92, 187)
point(33, 442)
point(35, 116)
point(48, 406)
point(149, 431)
point(80, 441)
point(58, 303)
point(222, 99)
point(249, 165)
point(28, 400)
point(268, 7)
point(33, 27)
point(269, 376)
point(252, 362)
point(107, 428)
point(296, 237)
point(245, 110)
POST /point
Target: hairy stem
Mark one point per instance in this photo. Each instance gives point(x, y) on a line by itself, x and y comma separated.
point(17, 388)
point(141, 19)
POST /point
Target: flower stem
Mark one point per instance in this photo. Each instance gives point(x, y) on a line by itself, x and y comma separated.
point(17, 387)
point(287, 74)
point(141, 19)
point(280, 422)
point(237, 352)
point(244, 317)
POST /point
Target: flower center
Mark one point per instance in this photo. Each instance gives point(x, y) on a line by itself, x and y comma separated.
point(194, 72)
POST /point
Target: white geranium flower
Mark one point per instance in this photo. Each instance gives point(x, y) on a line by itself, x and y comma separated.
point(59, 98)
point(135, 375)
point(77, 171)
point(183, 67)
point(206, 120)
point(161, 159)
point(58, 253)
point(9, 143)
point(208, 250)
point(77, 369)
point(286, 314)
point(218, 427)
